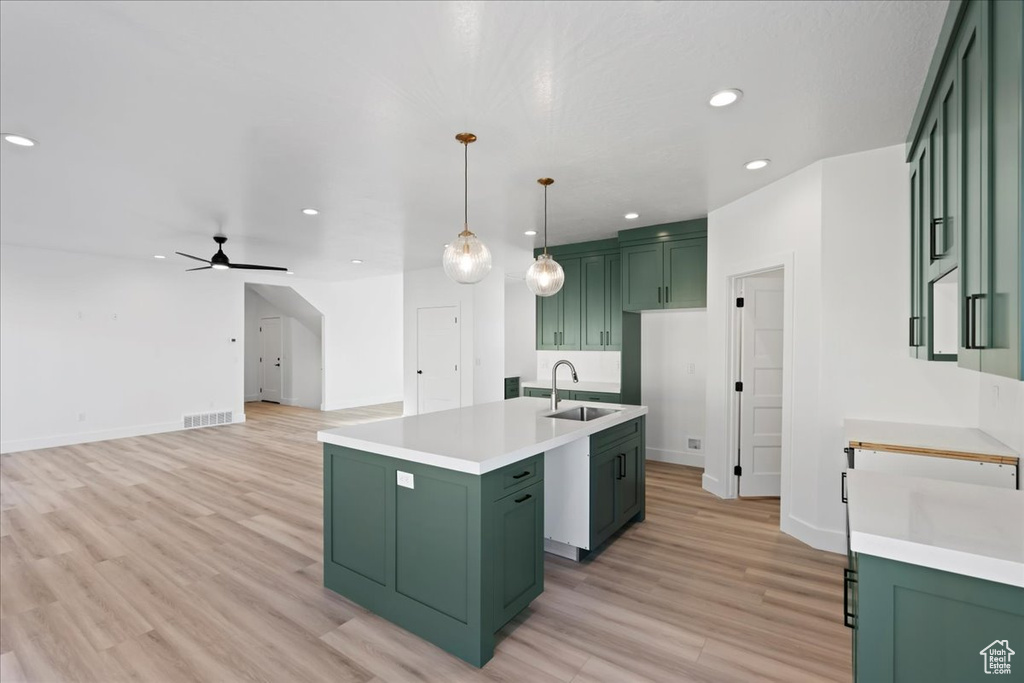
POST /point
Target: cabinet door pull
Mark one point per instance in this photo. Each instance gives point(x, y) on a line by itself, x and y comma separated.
point(667, 295)
point(520, 476)
point(975, 344)
point(970, 322)
point(659, 294)
point(849, 618)
point(602, 338)
point(932, 253)
point(842, 489)
point(912, 319)
point(622, 466)
point(526, 497)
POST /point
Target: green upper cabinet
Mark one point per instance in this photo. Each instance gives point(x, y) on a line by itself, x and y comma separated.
point(642, 277)
point(559, 316)
point(586, 314)
point(966, 192)
point(601, 303)
point(665, 266)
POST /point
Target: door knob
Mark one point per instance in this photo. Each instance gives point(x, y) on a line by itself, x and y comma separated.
point(419, 372)
point(277, 365)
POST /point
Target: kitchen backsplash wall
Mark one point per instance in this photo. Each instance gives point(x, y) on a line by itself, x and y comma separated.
point(591, 366)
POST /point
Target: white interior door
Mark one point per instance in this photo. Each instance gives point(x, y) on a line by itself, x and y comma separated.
point(270, 360)
point(761, 398)
point(438, 385)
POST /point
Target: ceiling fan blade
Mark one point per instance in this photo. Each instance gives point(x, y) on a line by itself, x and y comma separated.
point(250, 266)
point(194, 258)
point(189, 270)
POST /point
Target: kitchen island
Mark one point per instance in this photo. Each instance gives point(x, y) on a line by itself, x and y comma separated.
point(436, 522)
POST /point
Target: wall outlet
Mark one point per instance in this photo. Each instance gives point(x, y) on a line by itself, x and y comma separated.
point(694, 444)
point(691, 368)
point(406, 479)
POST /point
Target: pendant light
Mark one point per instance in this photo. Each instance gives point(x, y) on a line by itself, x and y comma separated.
point(545, 277)
point(467, 260)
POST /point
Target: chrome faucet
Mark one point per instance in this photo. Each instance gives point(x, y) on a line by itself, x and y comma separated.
point(554, 381)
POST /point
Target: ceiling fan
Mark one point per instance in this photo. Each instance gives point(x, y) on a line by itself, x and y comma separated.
point(219, 261)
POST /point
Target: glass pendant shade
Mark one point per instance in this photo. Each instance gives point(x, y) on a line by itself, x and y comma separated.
point(467, 260)
point(545, 276)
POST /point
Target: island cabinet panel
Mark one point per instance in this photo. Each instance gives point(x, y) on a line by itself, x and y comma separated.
point(519, 560)
point(451, 559)
point(617, 474)
point(915, 623)
point(432, 544)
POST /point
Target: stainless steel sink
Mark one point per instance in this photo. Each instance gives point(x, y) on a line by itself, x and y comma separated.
point(584, 413)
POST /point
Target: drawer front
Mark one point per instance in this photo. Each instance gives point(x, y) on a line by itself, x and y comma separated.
point(521, 474)
point(536, 392)
point(595, 396)
point(601, 440)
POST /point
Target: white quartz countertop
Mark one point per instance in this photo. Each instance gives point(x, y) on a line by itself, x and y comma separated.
point(477, 439)
point(965, 529)
point(567, 384)
point(927, 438)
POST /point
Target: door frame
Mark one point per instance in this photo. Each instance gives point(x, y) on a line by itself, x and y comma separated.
point(416, 357)
point(280, 341)
point(732, 404)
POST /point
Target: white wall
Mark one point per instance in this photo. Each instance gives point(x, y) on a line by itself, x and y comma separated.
point(520, 330)
point(591, 366)
point(97, 348)
point(673, 366)
point(1001, 409)
point(301, 354)
point(168, 352)
point(842, 224)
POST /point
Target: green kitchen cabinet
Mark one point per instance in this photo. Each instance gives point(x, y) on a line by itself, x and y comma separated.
point(536, 392)
point(596, 396)
point(664, 266)
point(511, 387)
point(914, 623)
point(642, 277)
point(601, 303)
point(967, 224)
point(559, 315)
point(451, 559)
point(617, 479)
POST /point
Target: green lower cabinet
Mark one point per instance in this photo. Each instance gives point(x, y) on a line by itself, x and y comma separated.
point(451, 559)
point(536, 392)
point(915, 624)
point(595, 396)
point(617, 480)
point(511, 387)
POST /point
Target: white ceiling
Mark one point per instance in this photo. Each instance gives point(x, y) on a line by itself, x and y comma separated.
point(162, 123)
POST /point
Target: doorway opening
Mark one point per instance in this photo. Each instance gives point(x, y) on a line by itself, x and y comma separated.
point(438, 350)
point(759, 358)
point(283, 348)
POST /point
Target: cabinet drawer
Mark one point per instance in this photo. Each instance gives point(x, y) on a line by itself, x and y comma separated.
point(521, 474)
point(601, 440)
point(537, 392)
point(595, 396)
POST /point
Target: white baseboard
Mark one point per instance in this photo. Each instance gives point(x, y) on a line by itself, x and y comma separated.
point(676, 457)
point(252, 398)
point(814, 536)
point(19, 445)
point(362, 402)
point(712, 485)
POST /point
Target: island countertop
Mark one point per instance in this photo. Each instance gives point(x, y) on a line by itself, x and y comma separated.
point(966, 529)
point(477, 439)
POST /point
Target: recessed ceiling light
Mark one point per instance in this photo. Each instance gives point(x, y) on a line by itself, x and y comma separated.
point(310, 212)
point(530, 233)
point(632, 216)
point(19, 140)
point(723, 98)
point(757, 164)
point(159, 256)
point(357, 261)
point(288, 272)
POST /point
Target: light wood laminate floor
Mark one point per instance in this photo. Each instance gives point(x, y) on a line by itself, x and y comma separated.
point(196, 556)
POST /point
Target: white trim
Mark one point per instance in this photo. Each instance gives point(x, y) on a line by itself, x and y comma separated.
point(814, 536)
point(688, 458)
point(252, 398)
point(712, 485)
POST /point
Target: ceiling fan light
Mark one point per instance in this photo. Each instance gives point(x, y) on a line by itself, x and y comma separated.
point(545, 276)
point(219, 266)
point(467, 260)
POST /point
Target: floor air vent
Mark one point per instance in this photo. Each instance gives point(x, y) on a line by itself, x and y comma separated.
point(207, 419)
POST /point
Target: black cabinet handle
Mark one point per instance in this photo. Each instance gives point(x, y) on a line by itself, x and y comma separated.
point(659, 294)
point(667, 297)
point(913, 340)
point(621, 457)
point(526, 497)
point(842, 489)
point(932, 254)
point(602, 338)
point(849, 618)
point(520, 476)
point(975, 344)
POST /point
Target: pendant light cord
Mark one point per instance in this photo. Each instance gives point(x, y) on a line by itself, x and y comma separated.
point(545, 220)
point(465, 187)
